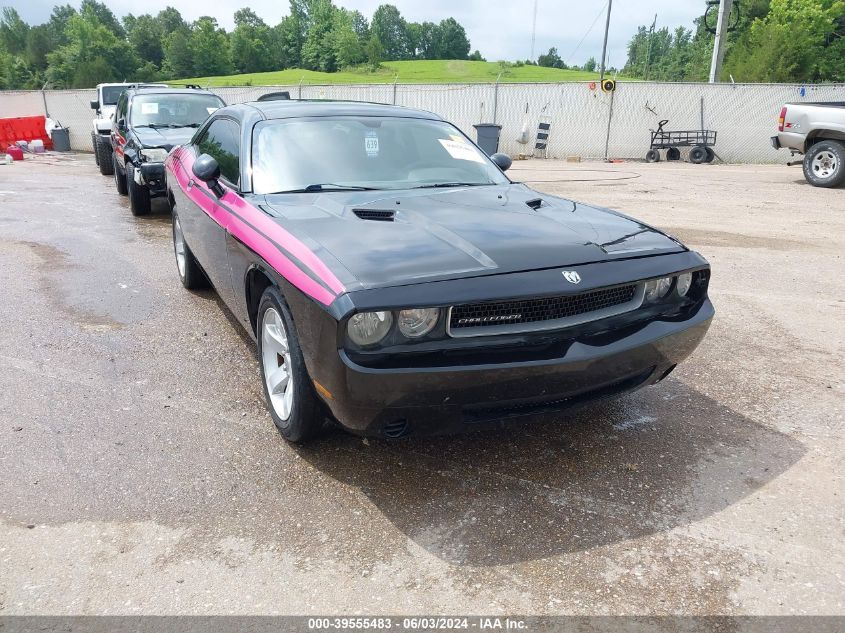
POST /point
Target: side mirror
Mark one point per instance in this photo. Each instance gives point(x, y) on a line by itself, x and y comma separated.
point(206, 169)
point(121, 122)
point(503, 161)
point(95, 105)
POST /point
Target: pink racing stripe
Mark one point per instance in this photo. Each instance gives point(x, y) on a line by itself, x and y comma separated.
point(260, 244)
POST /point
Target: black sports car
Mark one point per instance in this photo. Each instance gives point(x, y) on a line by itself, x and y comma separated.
point(395, 278)
point(148, 123)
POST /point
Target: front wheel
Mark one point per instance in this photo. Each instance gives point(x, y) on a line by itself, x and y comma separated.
point(294, 406)
point(104, 155)
point(139, 195)
point(824, 164)
point(652, 156)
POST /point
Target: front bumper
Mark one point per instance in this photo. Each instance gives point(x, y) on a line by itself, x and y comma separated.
point(151, 175)
point(433, 400)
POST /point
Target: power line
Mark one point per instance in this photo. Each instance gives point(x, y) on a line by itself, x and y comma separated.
point(596, 19)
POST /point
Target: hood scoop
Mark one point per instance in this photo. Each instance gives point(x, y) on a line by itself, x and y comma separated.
point(536, 203)
point(375, 215)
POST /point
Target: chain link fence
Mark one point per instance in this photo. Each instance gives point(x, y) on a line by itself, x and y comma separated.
point(583, 120)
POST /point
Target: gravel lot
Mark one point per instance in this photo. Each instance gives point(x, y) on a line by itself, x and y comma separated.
point(141, 474)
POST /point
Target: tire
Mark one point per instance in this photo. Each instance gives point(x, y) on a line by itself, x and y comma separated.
point(673, 153)
point(139, 195)
point(104, 155)
point(296, 412)
point(94, 145)
point(824, 164)
point(711, 155)
point(698, 154)
point(190, 272)
point(119, 176)
point(652, 156)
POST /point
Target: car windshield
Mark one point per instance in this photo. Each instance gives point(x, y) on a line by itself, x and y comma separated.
point(348, 152)
point(172, 109)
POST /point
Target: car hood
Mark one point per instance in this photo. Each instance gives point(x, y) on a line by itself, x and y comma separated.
point(164, 137)
point(450, 233)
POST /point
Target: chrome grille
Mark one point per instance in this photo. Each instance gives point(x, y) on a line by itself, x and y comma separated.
point(479, 319)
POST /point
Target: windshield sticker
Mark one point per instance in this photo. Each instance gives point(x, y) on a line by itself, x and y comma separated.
point(211, 110)
point(460, 150)
point(371, 143)
point(149, 108)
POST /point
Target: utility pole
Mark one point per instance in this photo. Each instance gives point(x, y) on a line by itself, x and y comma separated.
point(648, 50)
point(604, 46)
point(533, 31)
point(725, 7)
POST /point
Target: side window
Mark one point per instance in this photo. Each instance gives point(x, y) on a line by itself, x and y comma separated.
point(222, 141)
point(120, 110)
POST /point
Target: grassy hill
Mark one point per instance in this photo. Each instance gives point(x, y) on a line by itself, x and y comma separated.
point(418, 71)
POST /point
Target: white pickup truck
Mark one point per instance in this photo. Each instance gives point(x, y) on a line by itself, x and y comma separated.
point(816, 130)
point(104, 106)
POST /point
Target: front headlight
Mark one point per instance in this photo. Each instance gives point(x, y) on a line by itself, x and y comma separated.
point(368, 328)
point(656, 289)
point(418, 322)
point(154, 155)
point(684, 283)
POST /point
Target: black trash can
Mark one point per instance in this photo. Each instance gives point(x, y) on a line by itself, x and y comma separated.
point(61, 139)
point(487, 137)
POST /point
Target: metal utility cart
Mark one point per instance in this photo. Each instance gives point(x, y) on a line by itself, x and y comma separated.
point(700, 142)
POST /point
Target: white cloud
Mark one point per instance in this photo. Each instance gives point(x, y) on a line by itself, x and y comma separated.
point(500, 29)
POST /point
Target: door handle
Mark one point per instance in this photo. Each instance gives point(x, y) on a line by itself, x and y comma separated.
point(190, 183)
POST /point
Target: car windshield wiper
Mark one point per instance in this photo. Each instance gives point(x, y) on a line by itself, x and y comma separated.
point(154, 126)
point(452, 184)
point(183, 124)
point(327, 186)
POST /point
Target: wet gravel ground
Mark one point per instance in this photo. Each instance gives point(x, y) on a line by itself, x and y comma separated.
point(141, 473)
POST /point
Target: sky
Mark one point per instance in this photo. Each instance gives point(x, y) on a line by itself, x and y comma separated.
point(500, 29)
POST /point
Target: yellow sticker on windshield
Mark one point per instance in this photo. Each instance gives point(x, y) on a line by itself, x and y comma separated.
point(461, 150)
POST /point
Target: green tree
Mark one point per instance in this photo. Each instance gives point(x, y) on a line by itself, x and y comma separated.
point(391, 30)
point(475, 56)
point(251, 43)
point(551, 59)
point(93, 54)
point(318, 51)
point(374, 52)
point(209, 47)
point(146, 36)
point(13, 31)
point(288, 37)
point(58, 23)
point(450, 40)
point(104, 16)
point(178, 57)
point(348, 49)
point(170, 20)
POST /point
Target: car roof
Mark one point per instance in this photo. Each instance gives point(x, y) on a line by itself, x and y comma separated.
point(168, 90)
point(320, 107)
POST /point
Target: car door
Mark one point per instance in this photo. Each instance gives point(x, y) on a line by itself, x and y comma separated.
point(204, 225)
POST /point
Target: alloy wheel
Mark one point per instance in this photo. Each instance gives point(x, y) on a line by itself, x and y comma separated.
point(276, 360)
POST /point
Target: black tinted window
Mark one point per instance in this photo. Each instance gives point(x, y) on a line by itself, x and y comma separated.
point(222, 141)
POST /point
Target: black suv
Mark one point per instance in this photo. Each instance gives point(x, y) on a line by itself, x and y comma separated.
point(148, 122)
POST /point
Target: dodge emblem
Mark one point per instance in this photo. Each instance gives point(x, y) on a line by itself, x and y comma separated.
point(571, 276)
